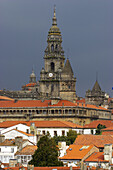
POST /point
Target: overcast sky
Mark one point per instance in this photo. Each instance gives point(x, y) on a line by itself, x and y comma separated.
point(87, 33)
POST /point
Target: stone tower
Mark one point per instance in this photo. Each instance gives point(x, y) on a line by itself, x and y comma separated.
point(67, 82)
point(32, 78)
point(96, 96)
point(56, 80)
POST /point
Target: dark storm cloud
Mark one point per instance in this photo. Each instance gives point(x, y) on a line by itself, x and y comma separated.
point(87, 31)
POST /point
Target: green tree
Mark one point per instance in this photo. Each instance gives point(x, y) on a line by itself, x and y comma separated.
point(99, 129)
point(69, 139)
point(46, 154)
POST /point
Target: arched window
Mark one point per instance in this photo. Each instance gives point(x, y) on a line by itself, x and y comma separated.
point(56, 47)
point(52, 47)
point(52, 66)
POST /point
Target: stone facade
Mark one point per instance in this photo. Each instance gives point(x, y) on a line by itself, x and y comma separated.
point(45, 110)
point(96, 96)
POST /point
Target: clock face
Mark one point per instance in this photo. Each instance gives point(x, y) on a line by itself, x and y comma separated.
point(50, 74)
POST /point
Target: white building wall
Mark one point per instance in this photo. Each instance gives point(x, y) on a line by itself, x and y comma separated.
point(88, 131)
point(7, 153)
point(58, 130)
point(13, 133)
point(20, 126)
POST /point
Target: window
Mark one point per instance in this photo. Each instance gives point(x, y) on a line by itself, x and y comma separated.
point(43, 132)
point(52, 66)
point(12, 150)
point(55, 133)
point(27, 130)
point(63, 132)
point(56, 46)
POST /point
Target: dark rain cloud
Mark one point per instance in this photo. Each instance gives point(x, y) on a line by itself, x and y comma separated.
point(87, 31)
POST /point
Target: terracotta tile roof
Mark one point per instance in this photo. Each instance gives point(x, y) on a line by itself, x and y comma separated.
point(107, 133)
point(57, 168)
point(39, 103)
point(38, 124)
point(80, 101)
point(8, 142)
point(76, 152)
point(11, 142)
point(15, 168)
point(30, 85)
point(24, 103)
point(44, 168)
point(97, 140)
point(27, 150)
point(7, 124)
point(108, 128)
point(95, 123)
point(27, 134)
point(2, 98)
point(96, 157)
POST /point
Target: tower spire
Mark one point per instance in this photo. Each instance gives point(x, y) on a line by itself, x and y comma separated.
point(54, 16)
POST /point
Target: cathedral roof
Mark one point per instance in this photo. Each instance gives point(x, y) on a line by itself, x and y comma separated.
point(67, 68)
point(96, 86)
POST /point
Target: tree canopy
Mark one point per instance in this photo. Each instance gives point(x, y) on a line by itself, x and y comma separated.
point(99, 128)
point(69, 139)
point(46, 153)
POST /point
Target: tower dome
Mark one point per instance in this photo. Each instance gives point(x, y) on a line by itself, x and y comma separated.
point(54, 40)
point(32, 77)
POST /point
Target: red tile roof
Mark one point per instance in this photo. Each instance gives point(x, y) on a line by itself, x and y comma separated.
point(30, 85)
point(27, 150)
point(80, 101)
point(8, 142)
point(95, 123)
point(42, 123)
point(45, 103)
point(97, 140)
point(96, 157)
point(107, 133)
point(76, 152)
point(44, 168)
point(108, 128)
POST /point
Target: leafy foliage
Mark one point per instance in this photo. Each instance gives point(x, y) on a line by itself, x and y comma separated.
point(99, 128)
point(69, 139)
point(46, 154)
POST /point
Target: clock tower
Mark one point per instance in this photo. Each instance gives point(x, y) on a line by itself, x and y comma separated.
point(56, 78)
point(53, 61)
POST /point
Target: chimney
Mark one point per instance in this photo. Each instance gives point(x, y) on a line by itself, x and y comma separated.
point(108, 152)
point(2, 138)
point(12, 162)
point(71, 168)
point(62, 147)
point(18, 142)
point(33, 130)
point(30, 167)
